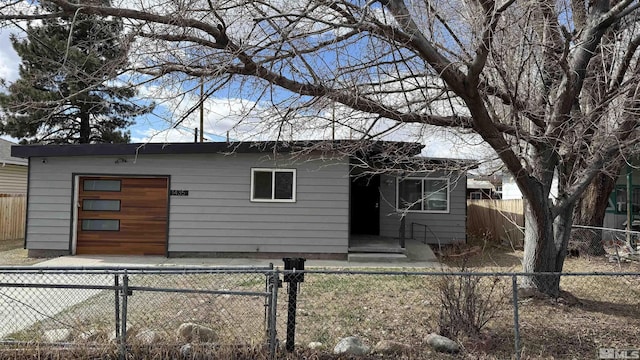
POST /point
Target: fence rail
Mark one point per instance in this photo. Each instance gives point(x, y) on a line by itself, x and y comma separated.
point(13, 212)
point(173, 309)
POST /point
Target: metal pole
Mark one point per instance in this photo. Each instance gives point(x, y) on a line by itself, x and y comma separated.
point(117, 304)
point(201, 110)
point(629, 204)
point(273, 305)
point(291, 315)
point(516, 320)
point(403, 223)
point(123, 330)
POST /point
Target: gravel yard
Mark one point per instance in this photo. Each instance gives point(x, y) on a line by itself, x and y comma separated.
point(13, 254)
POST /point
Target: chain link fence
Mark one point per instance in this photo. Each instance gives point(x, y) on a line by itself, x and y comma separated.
point(116, 311)
point(263, 312)
point(616, 244)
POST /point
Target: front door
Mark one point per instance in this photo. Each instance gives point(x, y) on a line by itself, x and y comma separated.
point(122, 215)
point(365, 205)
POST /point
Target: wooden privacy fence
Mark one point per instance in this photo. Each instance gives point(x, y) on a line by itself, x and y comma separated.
point(13, 211)
point(496, 220)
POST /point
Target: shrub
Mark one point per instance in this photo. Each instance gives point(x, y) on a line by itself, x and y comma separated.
point(468, 303)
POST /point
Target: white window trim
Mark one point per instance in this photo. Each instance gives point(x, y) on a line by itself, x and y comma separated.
point(273, 185)
point(477, 193)
point(423, 179)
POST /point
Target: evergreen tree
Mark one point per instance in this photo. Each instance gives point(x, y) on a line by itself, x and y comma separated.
point(67, 90)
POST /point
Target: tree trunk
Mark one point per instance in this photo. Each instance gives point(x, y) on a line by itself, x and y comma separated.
point(85, 128)
point(545, 245)
point(590, 211)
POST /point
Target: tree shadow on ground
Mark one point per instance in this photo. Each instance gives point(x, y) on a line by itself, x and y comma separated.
point(610, 308)
point(473, 256)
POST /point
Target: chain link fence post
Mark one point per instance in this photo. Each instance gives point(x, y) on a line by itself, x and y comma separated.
point(123, 330)
point(274, 285)
point(516, 320)
point(116, 283)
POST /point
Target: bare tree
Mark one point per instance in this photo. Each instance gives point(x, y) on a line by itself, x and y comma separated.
point(550, 85)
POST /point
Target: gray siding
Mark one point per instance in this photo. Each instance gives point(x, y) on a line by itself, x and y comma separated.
point(449, 228)
point(13, 179)
point(217, 216)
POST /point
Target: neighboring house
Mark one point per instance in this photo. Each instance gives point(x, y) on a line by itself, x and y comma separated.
point(510, 189)
point(481, 189)
point(13, 171)
point(616, 213)
point(228, 199)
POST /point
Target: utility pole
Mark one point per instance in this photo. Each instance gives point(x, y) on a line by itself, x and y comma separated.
point(201, 110)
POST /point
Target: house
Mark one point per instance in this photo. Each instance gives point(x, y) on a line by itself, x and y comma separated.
point(510, 189)
point(256, 199)
point(481, 189)
point(616, 213)
point(13, 171)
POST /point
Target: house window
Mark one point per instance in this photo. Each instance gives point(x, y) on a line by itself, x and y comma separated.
point(101, 185)
point(100, 205)
point(423, 195)
point(100, 225)
point(476, 195)
point(276, 185)
point(619, 197)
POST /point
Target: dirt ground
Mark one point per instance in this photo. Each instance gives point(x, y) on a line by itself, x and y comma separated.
point(12, 253)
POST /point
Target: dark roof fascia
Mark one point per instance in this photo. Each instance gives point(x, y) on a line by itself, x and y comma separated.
point(419, 164)
point(55, 150)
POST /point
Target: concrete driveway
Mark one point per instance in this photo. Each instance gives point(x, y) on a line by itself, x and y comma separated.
point(22, 305)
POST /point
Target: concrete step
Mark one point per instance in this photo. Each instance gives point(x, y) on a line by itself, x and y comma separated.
point(376, 249)
point(377, 257)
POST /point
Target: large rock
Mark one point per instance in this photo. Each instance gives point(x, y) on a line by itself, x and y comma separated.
point(57, 335)
point(351, 345)
point(193, 332)
point(91, 335)
point(148, 337)
point(390, 347)
point(442, 344)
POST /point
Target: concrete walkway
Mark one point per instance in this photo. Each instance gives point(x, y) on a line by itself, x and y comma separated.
point(22, 306)
point(158, 261)
point(418, 256)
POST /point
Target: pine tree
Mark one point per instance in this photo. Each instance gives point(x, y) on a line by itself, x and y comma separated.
point(67, 90)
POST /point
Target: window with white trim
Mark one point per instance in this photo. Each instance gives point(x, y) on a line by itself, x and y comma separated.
point(273, 185)
point(423, 195)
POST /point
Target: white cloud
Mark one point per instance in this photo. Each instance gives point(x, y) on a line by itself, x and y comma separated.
point(9, 59)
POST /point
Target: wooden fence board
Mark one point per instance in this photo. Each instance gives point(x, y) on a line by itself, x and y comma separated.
point(13, 214)
point(496, 220)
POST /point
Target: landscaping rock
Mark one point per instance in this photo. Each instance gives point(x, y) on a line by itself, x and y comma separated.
point(194, 332)
point(131, 332)
point(148, 337)
point(90, 335)
point(351, 345)
point(315, 345)
point(390, 347)
point(186, 350)
point(57, 335)
point(442, 344)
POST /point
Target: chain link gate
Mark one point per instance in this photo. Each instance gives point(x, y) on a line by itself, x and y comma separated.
point(137, 308)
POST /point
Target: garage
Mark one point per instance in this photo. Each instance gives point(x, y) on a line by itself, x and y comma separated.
point(122, 215)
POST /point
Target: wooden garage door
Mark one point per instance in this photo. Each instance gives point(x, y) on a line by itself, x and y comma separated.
point(123, 216)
